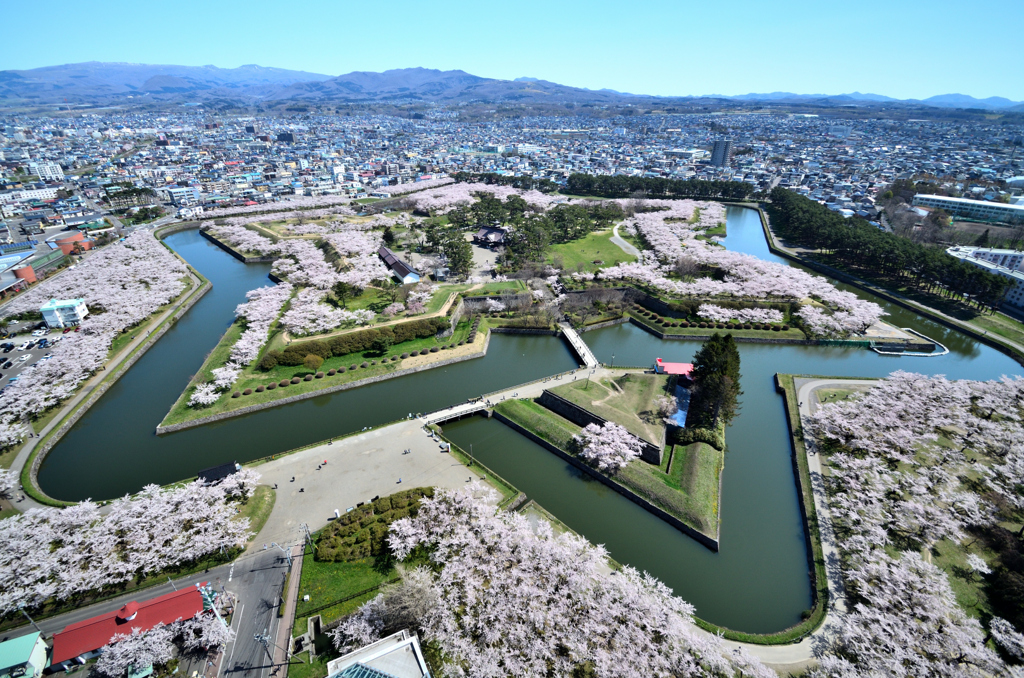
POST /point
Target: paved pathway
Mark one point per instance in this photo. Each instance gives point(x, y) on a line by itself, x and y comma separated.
point(580, 346)
point(85, 392)
point(358, 469)
point(622, 243)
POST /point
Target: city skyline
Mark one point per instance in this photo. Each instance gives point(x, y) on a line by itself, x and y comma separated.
point(690, 50)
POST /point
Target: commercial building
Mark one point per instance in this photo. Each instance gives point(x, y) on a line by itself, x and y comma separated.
point(1011, 259)
point(978, 210)
point(721, 154)
point(36, 268)
point(1015, 295)
point(23, 657)
point(64, 312)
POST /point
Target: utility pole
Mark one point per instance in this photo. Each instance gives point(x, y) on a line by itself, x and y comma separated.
point(287, 552)
point(309, 537)
point(32, 621)
point(264, 640)
point(207, 594)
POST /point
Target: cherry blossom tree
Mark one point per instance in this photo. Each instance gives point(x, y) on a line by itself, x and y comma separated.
point(123, 284)
point(746, 315)
point(505, 599)
point(57, 553)
point(8, 482)
point(136, 650)
point(203, 632)
point(393, 309)
point(608, 447)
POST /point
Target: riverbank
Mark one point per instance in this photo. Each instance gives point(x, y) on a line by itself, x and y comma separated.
point(182, 417)
point(31, 456)
point(1001, 344)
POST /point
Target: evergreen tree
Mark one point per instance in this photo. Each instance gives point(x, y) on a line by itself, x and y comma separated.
point(716, 379)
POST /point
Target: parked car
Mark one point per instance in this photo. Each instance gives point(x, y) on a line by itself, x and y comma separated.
point(38, 333)
point(66, 330)
point(8, 349)
point(24, 357)
point(24, 346)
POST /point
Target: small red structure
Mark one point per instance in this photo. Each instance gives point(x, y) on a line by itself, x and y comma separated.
point(677, 369)
point(90, 635)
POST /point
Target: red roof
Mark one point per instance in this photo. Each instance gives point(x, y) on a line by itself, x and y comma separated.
point(92, 634)
point(682, 369)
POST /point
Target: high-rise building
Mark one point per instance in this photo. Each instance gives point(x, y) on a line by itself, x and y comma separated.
point(47, 171)
point(721, 154)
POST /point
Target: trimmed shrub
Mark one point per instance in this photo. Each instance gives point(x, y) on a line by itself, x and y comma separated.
point(685, 436)
point(271, 387)
point(414, 354)
point(776, 328)
point(433, 349)
point(261, 389)
point(308, 377)
point(269, 361)
point(373, 363)
point(364, 365)
point(236, 394)
point(462, 343)
point(313, 362)
point(247, 391)
point(702, 325)
point(404, 356)
point(295, 380)
point(332, 372)
point(354, 342)
point(319, 375)
point(785, 328)
point(283, 382)
point(341, 370)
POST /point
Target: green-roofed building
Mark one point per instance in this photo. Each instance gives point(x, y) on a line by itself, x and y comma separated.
point(23, 657)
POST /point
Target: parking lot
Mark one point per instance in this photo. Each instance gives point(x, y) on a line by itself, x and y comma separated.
point(14, 358)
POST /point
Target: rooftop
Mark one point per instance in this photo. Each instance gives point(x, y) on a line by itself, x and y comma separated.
point(17, 651)
point(54, 304)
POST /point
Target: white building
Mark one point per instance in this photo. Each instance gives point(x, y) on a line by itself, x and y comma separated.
point(972, 209)
point(1011, 259)
point(397, 656)
point(64, 312)
point(47, 171)
point(1015, 295)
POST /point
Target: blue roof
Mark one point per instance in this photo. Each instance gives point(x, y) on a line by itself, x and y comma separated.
point(61, 303)
point(361, 671)
point(18, 650)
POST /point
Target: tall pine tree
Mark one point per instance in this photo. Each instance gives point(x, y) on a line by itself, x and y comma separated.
point(716, 383)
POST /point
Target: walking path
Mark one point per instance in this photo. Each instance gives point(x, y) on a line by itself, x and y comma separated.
point(86, 391)
point(578, 345)
point(622, 243)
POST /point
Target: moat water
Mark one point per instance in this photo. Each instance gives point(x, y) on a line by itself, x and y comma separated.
point(758, 582)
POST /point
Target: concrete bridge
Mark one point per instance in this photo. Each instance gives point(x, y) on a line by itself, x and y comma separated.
point(579, 346)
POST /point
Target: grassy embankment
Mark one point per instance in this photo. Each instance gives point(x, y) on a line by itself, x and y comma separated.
point(252, 377)
point(688, 490)
point(585, 253)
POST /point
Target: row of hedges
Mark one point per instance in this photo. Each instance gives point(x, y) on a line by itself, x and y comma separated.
point(362, 533)
point(354, 342)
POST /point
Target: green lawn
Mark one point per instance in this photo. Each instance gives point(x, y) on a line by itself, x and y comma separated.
point(252, 377)
point(539, 420)
point(1003, 325)
point(628, 400)
point(581, 255)
point(331, 582)
point(258, 507)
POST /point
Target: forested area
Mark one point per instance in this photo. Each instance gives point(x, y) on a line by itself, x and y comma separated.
point(623, 187)
point(521, 182)
point(857, 244)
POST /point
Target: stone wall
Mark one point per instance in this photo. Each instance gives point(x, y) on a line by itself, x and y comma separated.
point(651, 452)
point(161, 430)
point(479, 304)
point(700, 537)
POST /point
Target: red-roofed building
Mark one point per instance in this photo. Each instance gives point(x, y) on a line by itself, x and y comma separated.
point(677, 369)
point(85, 638)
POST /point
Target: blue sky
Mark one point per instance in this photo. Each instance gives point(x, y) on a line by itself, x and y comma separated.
point(900, 48)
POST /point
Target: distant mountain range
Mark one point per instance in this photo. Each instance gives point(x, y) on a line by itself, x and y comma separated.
point(121, 83)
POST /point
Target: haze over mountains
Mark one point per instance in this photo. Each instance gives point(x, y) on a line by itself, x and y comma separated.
point(112, 83)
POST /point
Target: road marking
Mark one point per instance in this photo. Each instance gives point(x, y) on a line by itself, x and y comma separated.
point(237, 618)
point(231, 572)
